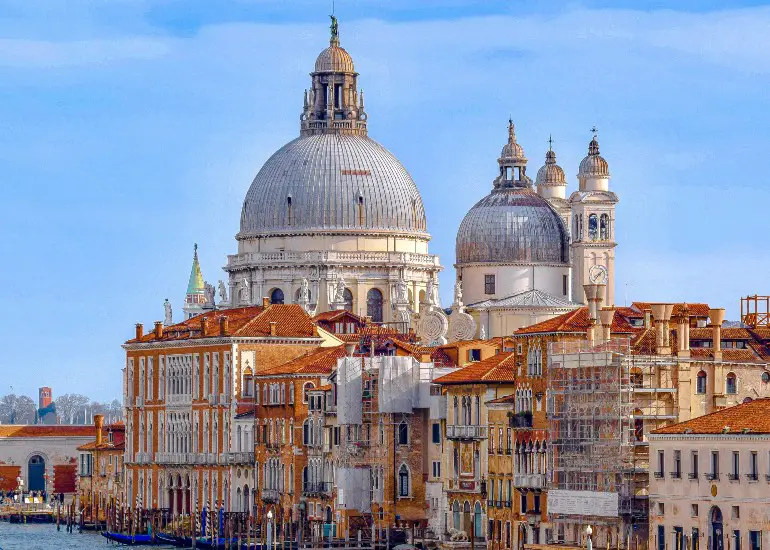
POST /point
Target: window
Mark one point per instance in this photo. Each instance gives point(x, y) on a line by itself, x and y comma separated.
point(436, 468)
point(731, 385)
point(753, 470)
point(696, 539)
point(593, 227)
point(604, 227)
point(474, 355)
point(677, 473)
point(701, 383)
point(403, 481)
point(523, 503)
point(306, 387)
point(564, 284)
point(537, 503)
point(403, 433)
point(436, 432)
point(678, 538)
point(661, 509)
point(661, 537)
point(661, 465)
point(755, 540)
point(374, 305)
point(714, 465)
point(694, 510)
point(489, 284)
point(694, 465)
point(736, 512)
point(735, 475)
point(736, 540)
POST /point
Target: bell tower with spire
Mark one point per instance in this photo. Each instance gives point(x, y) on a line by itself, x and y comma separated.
point(593, 227)
point(195, 298)
point(333, 105)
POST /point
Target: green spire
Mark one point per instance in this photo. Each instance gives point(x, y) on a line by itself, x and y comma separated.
point(196, 285)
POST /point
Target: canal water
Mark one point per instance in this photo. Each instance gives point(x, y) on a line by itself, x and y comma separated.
point(14, 536)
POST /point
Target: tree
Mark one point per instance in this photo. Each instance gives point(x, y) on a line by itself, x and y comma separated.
point(114, 411)
point(17, 409)
point(70, 405)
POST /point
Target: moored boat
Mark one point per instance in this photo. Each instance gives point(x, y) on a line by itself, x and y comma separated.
point(130, 540)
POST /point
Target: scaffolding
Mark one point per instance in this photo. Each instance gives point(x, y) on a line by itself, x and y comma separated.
point(755, 311)
point(602, 402)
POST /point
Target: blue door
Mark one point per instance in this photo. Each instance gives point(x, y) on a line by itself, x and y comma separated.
point(36, 474)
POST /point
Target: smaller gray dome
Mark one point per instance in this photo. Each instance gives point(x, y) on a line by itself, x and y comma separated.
point(594, 164)
point(334, 59)
point(550, 173)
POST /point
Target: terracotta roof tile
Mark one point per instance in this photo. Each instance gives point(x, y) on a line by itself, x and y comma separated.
point(753, 416)
point(508, 399)
point(315, 362)
point(57, 430)
point(498, 368)
point(697, 310)
point(291, 321)
point(575, 321)
point(334, 315)
point(730, 333)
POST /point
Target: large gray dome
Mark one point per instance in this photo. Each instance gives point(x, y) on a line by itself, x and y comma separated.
point(512, 225)
point(332, 183)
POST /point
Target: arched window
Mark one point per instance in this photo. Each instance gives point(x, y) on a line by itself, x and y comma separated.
point(604, 227)
point(374, 305)
point(457, 411)
point(477, 520)
point(248, 383)
point(307, 432)
point(456, 514)
point(347, 300)
point(299, 291)
point(403, 433)
point(403, 481)
point(308, 386)
point(731, 386)
point(593, 227)
point(276, 296)
point(701, 383)
point(477, 410)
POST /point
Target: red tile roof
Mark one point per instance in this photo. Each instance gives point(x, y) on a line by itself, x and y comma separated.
point(499, 368)
point(575, 321)
point(329, 316)
point(508, 399)
point(317, 361)
point(729, 333)
point(291, 322)
point(695, 310)
point(57, 430)
point(753, 416)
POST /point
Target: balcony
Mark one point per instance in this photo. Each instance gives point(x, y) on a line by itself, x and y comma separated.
point(469, 485)
point(752, 477)
point(241, 457)
point(734, 477)
point(713, 476)
point(692, 475)
point(659, 475)
point(533, 481)
point(466, 432)
point(676, 475)
point(270, 495)
point(319, 489)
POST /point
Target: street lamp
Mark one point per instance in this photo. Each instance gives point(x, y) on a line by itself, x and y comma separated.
point(270, 534)
point(589, 543)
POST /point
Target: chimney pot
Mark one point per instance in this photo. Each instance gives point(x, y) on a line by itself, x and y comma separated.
point(265, 301)
point(204, 325)
point(273, 328)
point(717, 317)
point(139, 330)
point(158, 329)
point(223, 326)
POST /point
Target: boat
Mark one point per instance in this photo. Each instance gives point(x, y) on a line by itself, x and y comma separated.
point(173, 540)
point(130, 540)
point(218, 543)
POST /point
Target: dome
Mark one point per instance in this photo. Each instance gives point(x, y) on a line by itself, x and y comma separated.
point(550, 173)
point(512, 225)
point(334, 59)
point(512, 152)
point(594, 164)
point(333, 183)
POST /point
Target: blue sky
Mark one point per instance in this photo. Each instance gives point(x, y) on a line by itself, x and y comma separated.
point(132, 129)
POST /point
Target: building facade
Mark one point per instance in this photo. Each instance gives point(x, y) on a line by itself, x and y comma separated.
point(100, 471)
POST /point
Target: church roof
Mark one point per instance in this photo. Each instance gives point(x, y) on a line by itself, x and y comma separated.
point(526, 299)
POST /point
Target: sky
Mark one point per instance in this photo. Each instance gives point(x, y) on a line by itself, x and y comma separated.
point(131, 129)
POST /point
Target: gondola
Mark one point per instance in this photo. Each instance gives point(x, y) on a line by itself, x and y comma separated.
point(173, 540)
point(130, 540)
point(217, 543)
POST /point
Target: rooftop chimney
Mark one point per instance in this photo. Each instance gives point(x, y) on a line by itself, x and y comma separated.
point(223, 325)
point(350, 348)
point(661, 314)
point(647, 318)
point(717, 317)
point(606, 316)
point(204, 325)
point(158, 329)
point(98, 424)
point(265, 301)
point(139, 331)
point(273, 328)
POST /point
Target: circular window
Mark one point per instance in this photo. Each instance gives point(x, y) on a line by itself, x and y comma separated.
point(766, 377)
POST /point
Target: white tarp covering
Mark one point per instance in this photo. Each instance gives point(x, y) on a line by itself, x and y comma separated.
point(398, 380)
point(354, 489)
point(349, 390)
point(582, 503)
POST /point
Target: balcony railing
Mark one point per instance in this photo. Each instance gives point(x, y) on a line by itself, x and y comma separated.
point(713, 476)
point(733, 477)
point(466, 432)
point(676, 475)
point(534, 481)
point(752, 477)
point(692, 475)
point(270, 495)
point(317, 489)
point(241, 457)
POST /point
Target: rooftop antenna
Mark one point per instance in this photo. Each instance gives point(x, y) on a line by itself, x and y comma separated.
point(550, 142)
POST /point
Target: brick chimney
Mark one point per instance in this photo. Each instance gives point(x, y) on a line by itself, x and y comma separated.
point(204, 325)
point(265, 301)
point(139, 331)
point(273, 328)
point(661, 314)
point(158, 329)
point(99, 425)
point(223, 325)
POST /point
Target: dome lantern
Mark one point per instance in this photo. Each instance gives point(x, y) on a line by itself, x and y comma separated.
point(513, 163)
point(594, 172)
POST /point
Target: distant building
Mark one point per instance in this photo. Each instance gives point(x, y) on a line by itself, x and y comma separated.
point(46, 411)
point(710, 485)
point(100, 470)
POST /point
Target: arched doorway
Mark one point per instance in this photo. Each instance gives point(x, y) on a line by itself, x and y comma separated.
point(715, 516)
point(36, 473)
point(374, 305)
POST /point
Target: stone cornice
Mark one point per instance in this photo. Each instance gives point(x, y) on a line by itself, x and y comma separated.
point(244, 236)
point(737, 436)
point(510, 264)
point(211, 342)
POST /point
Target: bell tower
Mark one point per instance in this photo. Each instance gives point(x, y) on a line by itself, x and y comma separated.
point(592, 209)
